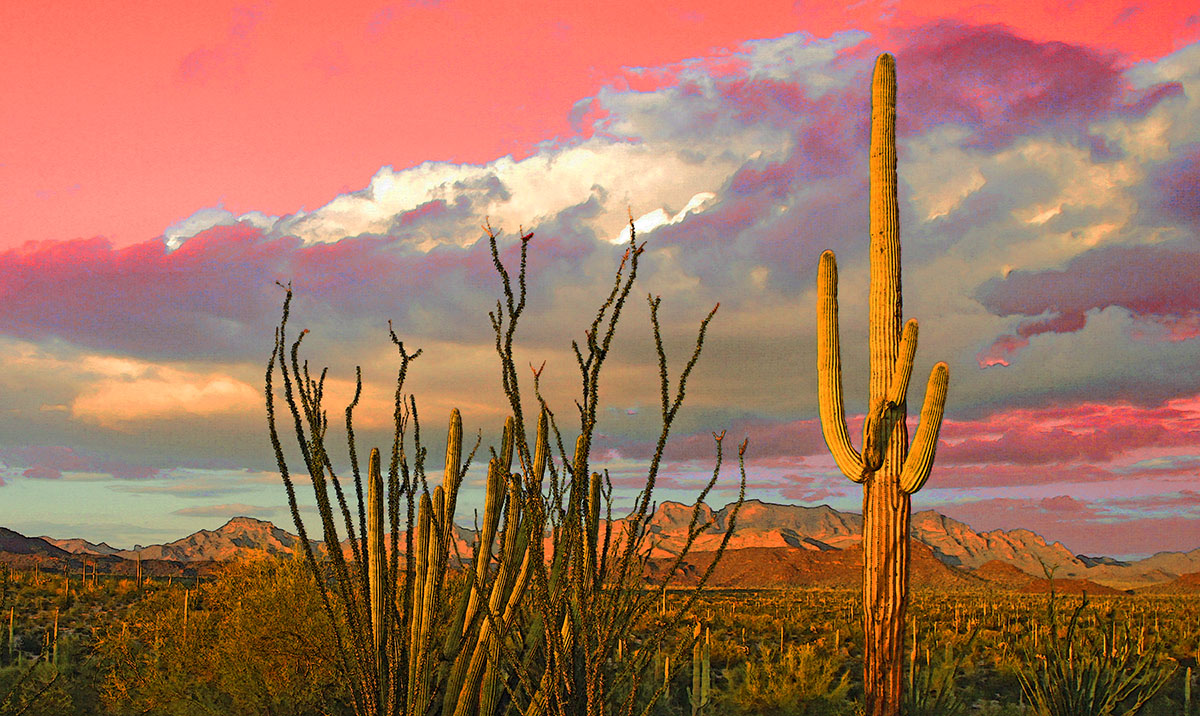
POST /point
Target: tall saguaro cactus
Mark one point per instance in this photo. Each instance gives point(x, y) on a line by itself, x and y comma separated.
point(890, 472)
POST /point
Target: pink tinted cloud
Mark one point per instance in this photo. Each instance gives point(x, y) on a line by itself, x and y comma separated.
point(1084, 443)
point(990, 80)
point(49, 462)
point(1184, 501)
point(142, 298)
point(1002, 351)
point(950, 475)
point(1003, 85)
point(809, 494)
point(1155, 283)
point(770, 442)
point(215, 297)
point(1083, 433)
point(1176, 186)
point(1083, 527)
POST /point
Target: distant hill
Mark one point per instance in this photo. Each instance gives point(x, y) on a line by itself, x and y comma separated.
point(240, 536)
point(82, 546)
point(17, 543)
point(957, 544)
point(1067, 586)
point(759, 525)
point(771, 567)
point(1183, 584)
point(772, 545)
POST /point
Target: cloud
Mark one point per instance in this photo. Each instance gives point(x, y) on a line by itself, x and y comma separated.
point(205, 219)
point(1004, 86)
point(54, 462)
point(1084, 527)
point(1045, 197)
point(1176, 186)
point(1157, 284)
point(1184, 503)
point(235, 509)
point(131, 391)
point(200, 484)
point(1088, 432)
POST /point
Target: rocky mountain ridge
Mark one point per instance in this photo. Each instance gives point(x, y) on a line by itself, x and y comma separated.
point(780, 534)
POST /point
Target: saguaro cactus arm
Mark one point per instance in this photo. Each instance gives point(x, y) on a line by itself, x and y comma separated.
point(898, 387)
point(919, 461)
point(829, 373)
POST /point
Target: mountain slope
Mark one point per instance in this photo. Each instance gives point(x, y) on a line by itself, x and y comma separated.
point(240, 536)
point(82, 546)
point(957, 544)
point(17, 543)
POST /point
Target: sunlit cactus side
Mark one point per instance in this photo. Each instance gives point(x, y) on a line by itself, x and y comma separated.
point(888, 468)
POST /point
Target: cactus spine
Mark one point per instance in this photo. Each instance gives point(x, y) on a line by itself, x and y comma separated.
point(887, 468)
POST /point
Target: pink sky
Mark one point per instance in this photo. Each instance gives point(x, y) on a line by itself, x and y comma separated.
point(120, 123)
point(164, 164)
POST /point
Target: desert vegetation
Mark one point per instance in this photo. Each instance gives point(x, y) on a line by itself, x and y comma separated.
point(539, 614)
point(253, 639)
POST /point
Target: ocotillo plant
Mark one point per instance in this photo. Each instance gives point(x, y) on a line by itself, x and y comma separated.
point(420, 640)
point(887, 468)
point(589, 591)
point(410, 639)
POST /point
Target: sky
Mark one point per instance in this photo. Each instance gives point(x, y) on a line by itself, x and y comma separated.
point(164, 165)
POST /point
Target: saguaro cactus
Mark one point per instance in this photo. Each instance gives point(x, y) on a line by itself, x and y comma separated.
point(887, 468)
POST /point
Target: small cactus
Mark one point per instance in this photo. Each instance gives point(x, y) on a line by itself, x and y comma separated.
point(698, 695)
point(889, 470)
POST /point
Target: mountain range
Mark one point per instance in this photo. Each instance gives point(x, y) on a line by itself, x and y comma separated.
point(771, 546)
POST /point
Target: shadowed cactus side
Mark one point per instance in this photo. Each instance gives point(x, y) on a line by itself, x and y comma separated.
point(889, 470)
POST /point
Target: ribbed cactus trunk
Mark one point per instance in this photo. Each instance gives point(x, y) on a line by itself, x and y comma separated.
point(888, 472)
point(886, 508)
point(376, 571)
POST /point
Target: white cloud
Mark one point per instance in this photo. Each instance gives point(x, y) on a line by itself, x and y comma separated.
point(205, 219)
point(646, 223)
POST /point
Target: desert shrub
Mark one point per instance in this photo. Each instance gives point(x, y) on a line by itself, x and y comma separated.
point(1104, 672)
point(801, 679)
point(32, 689)
point(253, 641)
